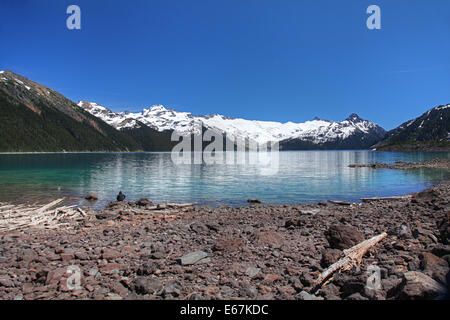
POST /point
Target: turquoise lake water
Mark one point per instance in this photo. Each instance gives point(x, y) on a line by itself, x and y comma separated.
point(304, 176)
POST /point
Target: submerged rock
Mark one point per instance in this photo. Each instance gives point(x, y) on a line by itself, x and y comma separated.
point(144, 202)
point(91, 197)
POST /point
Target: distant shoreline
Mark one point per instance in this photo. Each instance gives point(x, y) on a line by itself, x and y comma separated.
point(442, 164)
point(130, 152)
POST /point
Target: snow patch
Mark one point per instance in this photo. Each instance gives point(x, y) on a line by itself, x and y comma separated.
point(185, 123)
point(443, 107)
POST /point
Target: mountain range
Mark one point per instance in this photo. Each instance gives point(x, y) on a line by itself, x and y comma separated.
point(36, 118)
point(352, 133)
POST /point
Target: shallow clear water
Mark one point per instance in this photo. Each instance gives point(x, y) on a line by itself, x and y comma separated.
point(304, 176)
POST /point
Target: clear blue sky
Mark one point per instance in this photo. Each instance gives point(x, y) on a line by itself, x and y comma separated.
point(284, 60)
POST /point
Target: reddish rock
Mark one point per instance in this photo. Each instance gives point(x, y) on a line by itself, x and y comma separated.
point(330, 256)
point(343, 237)
point(29, 255)
point(418, 286)
point(66, 256)
point(229, 245)
point(6, 282)
point(111, 268)
point(268, 238)
point(270, 278)
point(27, 288)
point(434, 266)
point(54, 276)
point(120, 289)
point(110, 254)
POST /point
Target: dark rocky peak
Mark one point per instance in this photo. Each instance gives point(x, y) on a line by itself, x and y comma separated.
point(354, 118)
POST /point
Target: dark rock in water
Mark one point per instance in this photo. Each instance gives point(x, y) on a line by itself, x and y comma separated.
point(91, 197)
point(253, 201)
point(143, 202)
point(343, 237)
point(121, 196)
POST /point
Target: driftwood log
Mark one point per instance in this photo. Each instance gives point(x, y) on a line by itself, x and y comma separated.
point(164, 208)
point(386, 198)
point(352, 257)
point(19, 217)
point(340, 203)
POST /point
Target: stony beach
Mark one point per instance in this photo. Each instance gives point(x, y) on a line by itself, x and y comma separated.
point(135, 250)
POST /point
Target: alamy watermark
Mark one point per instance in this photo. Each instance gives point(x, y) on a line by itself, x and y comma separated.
point(73, 22)
point(374, 278)
point(211, 147)
point(73, 282)
point(373, 22)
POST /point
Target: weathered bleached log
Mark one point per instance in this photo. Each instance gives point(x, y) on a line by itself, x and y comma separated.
point(48, 206)
point(341, 203)
point(22, 217)
point(7, 206)
point(352, 257)
point(181, 205)
point(82, 212)
point(386, 198)
point(153, 212)
point(163, 207)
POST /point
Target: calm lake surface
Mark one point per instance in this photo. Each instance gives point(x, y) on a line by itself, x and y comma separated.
point(304, 176)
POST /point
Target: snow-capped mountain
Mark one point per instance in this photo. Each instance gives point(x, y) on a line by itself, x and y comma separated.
point(430, 132)
point(35, 118)
point(316, 131)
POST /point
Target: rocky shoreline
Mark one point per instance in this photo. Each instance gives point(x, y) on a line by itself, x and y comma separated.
point(135, 250)
point(442, 164)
